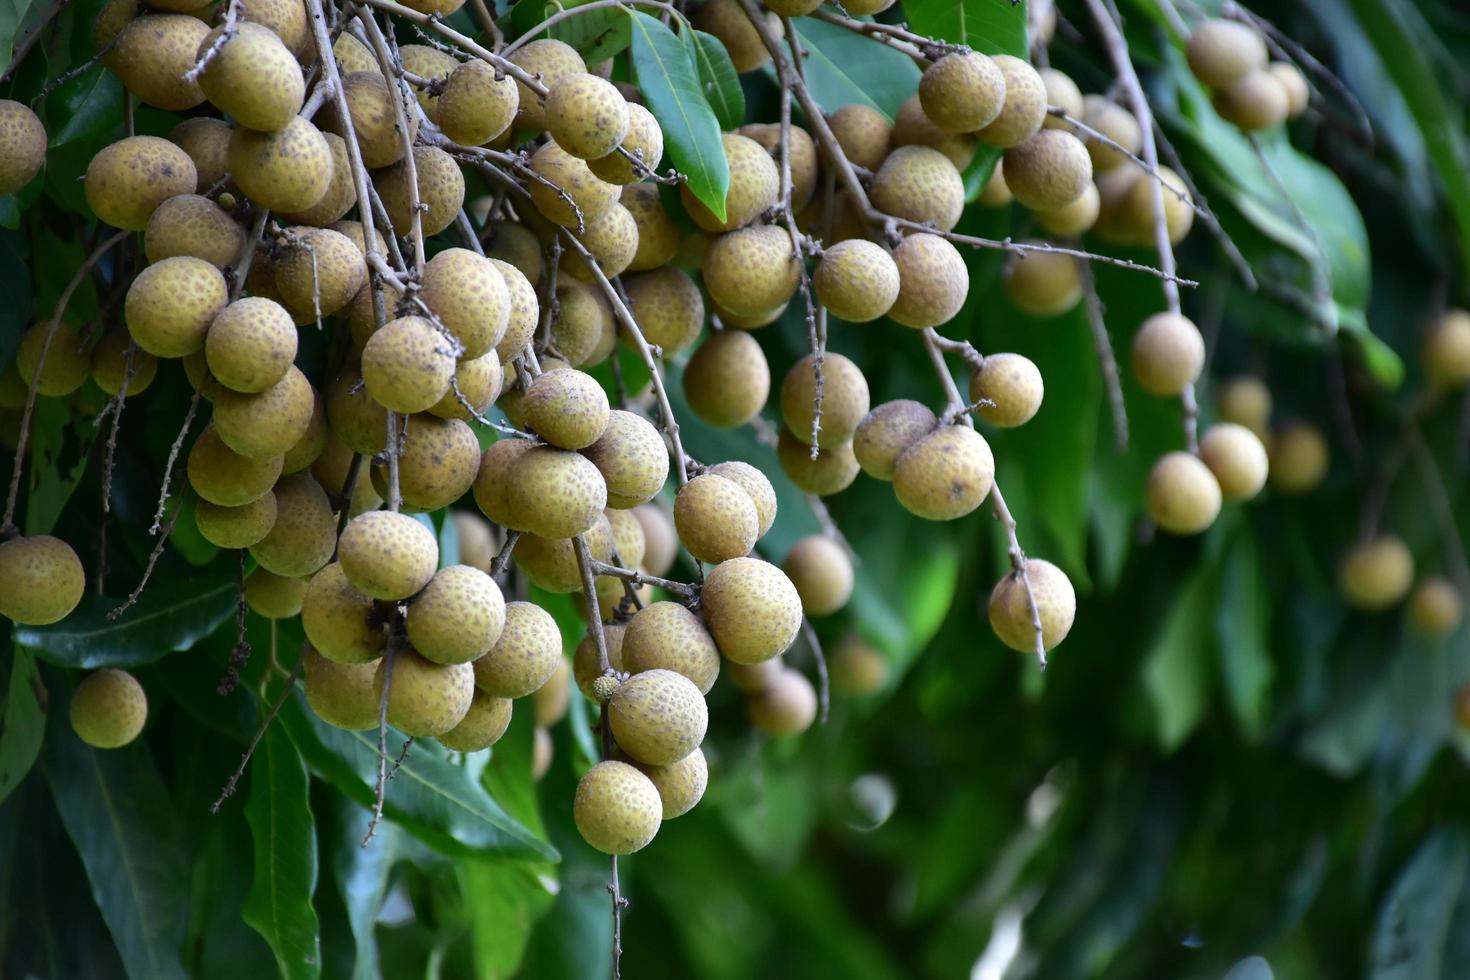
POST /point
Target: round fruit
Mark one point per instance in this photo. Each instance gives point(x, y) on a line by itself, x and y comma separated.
point(424, 698)
point(886, 431)
point(193, 225)
point(1074, 219)
point(1246, 401)
point(319, 272)
point(567, 192)
point(1183, 495)
point(524, 657)
point(912, 127)
point(1049, 171)
point(1258, 101)
point(469, 296)
point(67, 360)
point(617, 809)
point(108, 708)
point(355, 416)
point(457, 617)
point(407, 365)
point(129, 179)
point(1025, 105)
point(273, 596)
point(22, 145)
point(831, 472)
point(1447, 350)
point(755, 678)
point(555, 493)
point(236, 527)
point(1298, 92)
point(864, 134)
point(787, 706)
point(586, 115)
point(251, 344)
point(933, 281)
point(1061, 93)
point(437, 463)
point(727, 20)
point(755, 483)
point(752, 270)
point(1298, 458)
point(288, 171)
point(821, 570)
point(727, 380)
point(752, 609)
point(1377, 573)
point(1012, 387)
point(207, 142)
point(1221, 52)
point(962, 92)
point(493, 481)
point(152, 55)
point(856, 280)
point(668, 307)
point(715, 518)
point(1056, 607)
point(586, 667)
point(268, 423)
point(341, 694)
point(945, 475)
point(478, 381)
point(41, 580)
point(552, 60)
point(681, 784)
point(567, 408)
point(475, 107)
point(631, 457)
point(755, 186)
point(550, 699)
point(667, 636)
point(1436, 607)
point(224, 477)
point(340, 620)
point(858, 670)
point(658, 717)
point(1043, 284)
point(660, 542)
point(645, 143)
point(845, 399)
point(1168, 354)
point(612, 242)
point(1237, 458)
point(482, 726)
point(253, 77)
point(920, 184)
point(440, 190)
point(387, 555)
point(301, 539)
point(170, 305)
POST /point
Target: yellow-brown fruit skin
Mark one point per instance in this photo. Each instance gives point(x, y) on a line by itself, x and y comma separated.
point(300, 541)
point(831, 472)
point(728, 379)
point(1049, 171)
point(524, 657)
point(1168, 354)
point(207, 142)
point(920, 184)
point(1025, 105)
point(945, 475)
point(482, 726)
point(681, 785)
point(611, 240)
point(437, 463)
point(251, 344)
point(567, 176)
point(341, 694)
point(1074, 219)
point(864, 134)
point(644, 140)
point(856, 280)
point(667, 636)
point(754, 483)
point(668, 307)
point(193, 225)
point(374, 122)
point(632, 459)
point(1056, 606)
point(319, 272)
point(1237, 458)
point(617, 809)
point(435, 65)
point(407, 365)
point(108, 708)
point(22, 145)
point(658, 236)
point(1043, 284)
point(110, 364)
point(803, 152)
point(715, 518)
point(822, 573)
point(1117, 124)
point(440, 189)
point(287, 171)
point(727, 20)
point(1256, 102)
point(525, 312)
point(550, 700)
point(886, 431)
point(845, 399)
point(586, 115)
point(1436, 607)
point(786, 706)
point(752, 270)
point(1062, 93)
point(552, 60)
point(387, 555)
point(1298, 92)
point(236, 527)
point(567, 408)
point(153, 53)
point(1221, 52)
point(1245, 400)
point(1446, 356)
point(658, 717)
point(474, 107)
point(457, 617)
point(911, 127)
point(425, 699)
point(555, 493)
point(1012, 385)
point(273, 596)
point(586, 666)
point(1377, 573)
point(933, 282)
point(41, 580)
point(1183, 495)
point(858, 670)
point(340, 619)
point(752, 609)
point(129, 179)
point(755, 185)
point(67, 361)
point(226, 478)
point(253, 77)
point(268, 423)
point(962, 92)
point(170, 304)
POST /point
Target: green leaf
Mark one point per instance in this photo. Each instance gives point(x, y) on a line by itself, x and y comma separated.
point(1176, 672)
point(58, 463)
point(1242, 631)
point(1423, 928)
point(718, 78)
point(362, 878)
point(116, 810)
point(843, 67)
point(12, 12)
point(597, 34)
point(163, 621)
point(504, 902)
point(24, 725)
point(283, 836)
point(986, 26)
point(671, 85)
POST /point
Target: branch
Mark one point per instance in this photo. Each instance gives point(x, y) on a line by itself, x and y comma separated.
point(229, 787)
point(1105, 359)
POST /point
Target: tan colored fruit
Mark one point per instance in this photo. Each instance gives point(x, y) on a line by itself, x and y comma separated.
point(515, 244)
point(1043, 284)
point(1117, 124)
point(831, 472)
point(273, 596)
point(583, 315)
point(129, 179)
point(727, 20)
point(1061, 93)
point(22, 145)
point(586, 115)
point(1221, 52)
point(668, 307)
point(110, 359)
point(493, 480)
point(787, 706)
point(1237, 458)
point(658, 717)
point(550, 700)
point(821, 570)
point(286, 171)
point(288, 19)
point(387, 555)
point(568, 193)
point(356, 418)
point(856, 280)
point(1245, 400)
point(631, 457)
point(113, 17)
point(617, 809)
point(268, 423)
point(715, 518)
point(1076, 218)
point(251, 344)
point(524, 657)
point(1436, 607)
point(864, 133)
point(433, 64)
point(313, 442)
point(224, 477)
point(1168, 354)
point(886, 431)
point(1377, 573)
point(586, 667)
point(457, 617)
point(407, 365)
point(1056, 606)
point(153, 53)
point(755, 678)
point(477, 540)
point(753, 270)
point(41, 580)
point(1048, 171)
point(995, 193)
point(681, 784)
point(755, 483)
point(1133, 215)
point(424, 698)
point(1446, 355)
point(1025, 105)
point(845, 399)
point(253, 77)
point(67, 359)
point(340, 620)
point(330, 470)
point(370, 104)
point(644, 141)
point(1299, 458)
point(475, 107)
point(627, 537)
point(858, 670)
point(660, 541)
point(440, 190)
point(108, 708)
point(1013, 387)
point(1298, 93)
point(945, 475)
point(550, 59)
point(236, 527)
point(752, 609)
point(667, 636)
point(612, 241)
point(300, 541)
point(437, 463)
point(567, 408)
point(318, 273)
point(341, 694)
point(207, 142)
point(193, 225)
point(482, 726)
point(555, 493)
point(727, 380)
point(751, 322)
point(1256, 102)
point(911, 127)
point(658, 236)
point(803, 153)
point(755, 185)
point(920, 184)
point(170, 305)
point(962, 92)
point(469, 296)
point(1183, 495)
point(932, 281)
point(525, 312)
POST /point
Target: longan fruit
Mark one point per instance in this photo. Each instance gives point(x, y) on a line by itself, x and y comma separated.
point(318, 273)
point(469, 296)
point(586, 667)
point(152, 55)
point(715, 517)
point(1013, 386)
point(474, 106)
point(113, 17)
point(631, 457)
point(1436, 607)
point(727, 20)
point(555, 493)
point(1132, 217)
point(727, 380)
point(1245, 400)
point(524, 657)
point(552, 60)
point(436, 66)
point(945, 475)
point(1446, 355)
point(1237, 458)
point(787, 706)
point(515, 244)
point(108, 708)
point(525, 311)
point(253, 77)
point(568, 193)
point(127, 180)
point(886, 431)
point(1168, 354)
point(1043, 284)
point(330, 470)
point(658, 236)
point(962, 92)
point(920, 184)
point(845, 399)
point(751, 608)
point(660, 541)
point(567, 408)
point(995, 193)
point(236, 527)
point(407, 364)
point(586, 115)
point(612, 241)
point(1299, 458)
point(170, 304)
point(457, 617)
point(658, 716)
point(755, 678)
point(821, 570)
point(1256, 102)
point(67, 364)
point(1376, 573)
point(1010, 607)
point(753, 270)
point(207, 142)
point(1222, 52)
point(933, 281)
point(110, 364)
point(387, 555)
point(755, 483)
point(1074, 219)
point(370, 104)
point(856, 280)
point(440, 190)
point(1117, 124)
point(857, 669)
point(627, 537)
point(1061, 93)
point(341, 694)
point(1025, 105)
point(751, 322)
point(681, 784)
point(912, 127)
point(668, 306)
point(494, 478)
point(831, 472)
point(287, 171)
point(644, 141)
point(1183, 495)
point(273, 596)
point(340, 619)
point(226, 478)
point(1298, 93)
point(301, 540)
point(1048, 171)
point(267, 423)
point(437, 463)
point(22, 145)
point(617, 809)
point(582, 316)
point(41, 580)
point(313, 442)
point(864, 134)
point(477, 539)
point(193, 225)
point(550, 700)
point(288, 19)
point(251, 344)
point(755, 186)
point(355, 416)
point(667, 636)
point(482, 726)
point(425, 699)
point(801, 150)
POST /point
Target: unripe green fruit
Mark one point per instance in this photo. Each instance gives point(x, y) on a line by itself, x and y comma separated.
point(962, 92)
point(458, 616)
point(301, 539)
point(913, 127)
point(567, 408)
point(340, 620)
point(1446, 355)
point(524, 657)
point(152, 55)
point(67, 362)
point(755, 186)
point(1183, 495)
point(319, 272)
point(831, 472)
point(658, 236)
point(170, 305)
point(236, 527)
point(752, 609)
point(1299, 458)
point(41, 580)
point(920, 184)
point(287, 171)
point(945, 475)
point(658, 717)
point(612, 241)
point(1074, 219)
point(727, 20)
point(645, 142)
point(1056, 607)
point(273, 596)
point(727, 380)
point(407, 365)
point(845, 399)
point(667, 636)
point(660, 541)
point(1168, 354)
point(224, 477)
point(555, 493)
point(253, 77)
point(475, 107)
point(341, 694)
point(1377, 573)
point(751, 271)
point(586, 115)
point(589, 195)
point(1237, 458)
point(856, 280)
point(1221, 52)
point(617, 809)
point(755, 483)
point(1048, 171)
point(715, 517)
point(207, 143)
point(267, 423)
point(668, 307)
point(586, 667)
point(1436, 607)
point(1256, 102)
point(1245, 400)
point(551, 59)
point(482, 726)
point(193, 225)
point(1025, 105)
point(631, 457)
point(1062, 93)
point(387, 555)
point(251, 344)
point(424, 698)
point(1298, 92)
point(1043, 284)
point(110, 360)
point(857, 669)
point(437, 464)
point(886, 431)
point(1012, 385)
point(681, 784)
point(108, 709)
point(821, 570)
point(864, 134)
point(470, 297)
point(933, 281)
point(787, 706)
point(22, 145)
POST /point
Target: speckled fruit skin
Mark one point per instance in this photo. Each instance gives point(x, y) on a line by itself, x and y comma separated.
point(425, 699)
point(67, 361)
point(387, 555)
point(611, 240)
point(492, 483)
point(470, 297)
point(226, 478)
point(480, 380)
point(668, 306)
point(475, 107)
point(590, 195)
point(1168, 354)
point(108, 708)
point(524, 657)
point(568, 409)
point(821, 570)
point(920, 184)
point(845, 399)
point(1048, 171)
point(407, 365)
point(207, 143)
point(190, 224)
point(288, 170)
point(458, 616)
point(752, 270)
point(863, 133)
point(437, 464)
point(716, 518)
point(755, 483)
point(658, 717)
point(273, 596)
point(1056, 605)
point(1237, 457)
point(1183, 495)
point(755, 185)
point(269, 422)
point(727, 20)
point(786, 706)
point(301, 539)
point(482, 726)
point(236, 527)
point(667, 636)
point(110, 364)
point(1376, 574)
point(913, 127)
point(658, 236)
point(1013, 384)
point(555, 493)
point(831, 472)
point(644, 140)
point(962, 92)
point(440, 187)
point(22, 145)
point(1074, 219)
point(551, 563)
point(586, 115)
point(728, 379)
point(251, 344)
point(933, 281)
point(946, 474)
point(1025, 106)
point(170, 304)
point(253, 78)
point(552, 60)
point(857, 280)
point(886, 431)
point(41, 580)
point(341, 192)
point(340, 619)
point(340, 694)
point(586, 667)
point(617, 809)
point(319, 272)
point(1043, 284)
point(681, 784)
point(525, 311)
point(752, 609)
point(151, 56)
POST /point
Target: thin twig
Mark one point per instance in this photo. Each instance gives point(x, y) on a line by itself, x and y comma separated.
point(824, 685)
point(380, 790)
point(1107, 362)
point(229, 788)
point(153, 556)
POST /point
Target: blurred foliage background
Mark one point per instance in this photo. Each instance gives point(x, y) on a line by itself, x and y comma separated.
point(1222, 761)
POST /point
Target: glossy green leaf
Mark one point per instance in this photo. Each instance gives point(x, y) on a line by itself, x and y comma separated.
point(283, 837)
point(1423, 927)
point(597, 34)
point(990, 28)
point(1179, 665)
point(362, 878)
point(843, 67)
point(59, 455)
point(23, 726)
point(718, 78)
point(12, 13)
point(504, 901)
point(671, 86)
